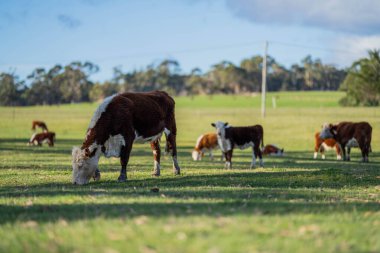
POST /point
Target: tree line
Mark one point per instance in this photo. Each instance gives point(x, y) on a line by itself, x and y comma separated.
point(72, 84)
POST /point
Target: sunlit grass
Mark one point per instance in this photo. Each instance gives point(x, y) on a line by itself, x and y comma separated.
point(294, 204)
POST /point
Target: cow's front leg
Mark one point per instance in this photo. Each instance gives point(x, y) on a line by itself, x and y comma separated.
point(124, 158)
point(155, 145)
point(228, 156)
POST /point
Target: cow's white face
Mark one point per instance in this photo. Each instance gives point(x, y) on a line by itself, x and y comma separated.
point(196, 155)
point(220, 128)
point(84, 167)
point(328, 131)
point(224, 144)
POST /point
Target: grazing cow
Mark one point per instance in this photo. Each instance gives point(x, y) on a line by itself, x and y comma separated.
point(327, 144)
point(118, 122)
point(242, 137)
point(272, 150)
point(349, 134)
point(45, 137)
point(39, 124)
point(205, 142)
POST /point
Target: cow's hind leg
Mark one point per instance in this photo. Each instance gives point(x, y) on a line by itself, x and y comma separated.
point(155, 145)
point(172, 146)
point(257, 153)
point(348, 153)
point(253, 163)
point(124, 158)
point(364, 150)
point(343, 149)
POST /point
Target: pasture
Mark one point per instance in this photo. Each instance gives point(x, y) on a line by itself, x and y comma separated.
point(293, 204)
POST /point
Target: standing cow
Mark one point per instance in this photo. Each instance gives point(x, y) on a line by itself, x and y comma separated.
point(326, 144)
point(242, 137)
point(349, 134)
point(40, 124)
point(118, 122)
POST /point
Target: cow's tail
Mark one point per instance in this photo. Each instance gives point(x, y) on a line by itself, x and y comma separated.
point(262, 137)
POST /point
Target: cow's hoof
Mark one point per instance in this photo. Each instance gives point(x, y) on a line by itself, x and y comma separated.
point(177, 172)
point(122, 178)
point(156, 174)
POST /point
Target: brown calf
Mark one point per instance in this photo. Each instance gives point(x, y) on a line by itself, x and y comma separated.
point(322, 145)
point(38, 139)
point(205, 142)
point(272, 150)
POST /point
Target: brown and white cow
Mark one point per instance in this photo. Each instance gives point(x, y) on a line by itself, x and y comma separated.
point(118, 122)
point(206, 142)
point(327, 144)
point(241, 137)
point(45, 137)
point(271, 149)
point(350, 134)
point(40, 124)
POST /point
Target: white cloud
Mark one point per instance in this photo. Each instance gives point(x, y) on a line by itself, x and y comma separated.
point(352, 16)
point(355, 47)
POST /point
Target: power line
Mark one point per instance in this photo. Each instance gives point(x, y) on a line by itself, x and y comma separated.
point(196, 50)
point(335, 50)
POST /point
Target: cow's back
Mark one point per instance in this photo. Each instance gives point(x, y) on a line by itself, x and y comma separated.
point(351, 130)
point(244, 135)
point(149, 108)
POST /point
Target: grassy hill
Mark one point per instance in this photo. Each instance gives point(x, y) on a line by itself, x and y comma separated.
point(293, 204)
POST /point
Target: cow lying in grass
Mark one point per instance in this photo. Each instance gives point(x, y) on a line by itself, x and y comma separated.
point(349, 134)
point(118, 122)
point(45, 137)
point(326, 144)
point(271, 149)
point(241, 137)
point(206, 142)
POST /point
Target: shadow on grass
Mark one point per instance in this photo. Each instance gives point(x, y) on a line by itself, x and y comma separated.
point(316, 179)
point(279, 191)
point(64, 146)
point(73, 212)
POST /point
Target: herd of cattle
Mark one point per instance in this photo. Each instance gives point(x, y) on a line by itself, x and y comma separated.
point(125, 118)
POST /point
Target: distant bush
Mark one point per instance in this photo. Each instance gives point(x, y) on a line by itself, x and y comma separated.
point(362, 84)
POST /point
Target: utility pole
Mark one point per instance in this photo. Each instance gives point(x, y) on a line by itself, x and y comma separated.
point(264, 81)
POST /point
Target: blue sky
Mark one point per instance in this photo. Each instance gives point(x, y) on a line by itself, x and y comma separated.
point(133, 34)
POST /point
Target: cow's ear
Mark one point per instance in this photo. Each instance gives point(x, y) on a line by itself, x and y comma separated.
point(212, 124)
point(225, 124)
point(87, 153)
point(334, 130)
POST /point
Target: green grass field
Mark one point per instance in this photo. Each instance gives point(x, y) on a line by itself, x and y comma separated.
point(293, 204)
